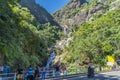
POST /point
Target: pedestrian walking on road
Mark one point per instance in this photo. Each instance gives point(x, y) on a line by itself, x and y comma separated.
point(91, 71)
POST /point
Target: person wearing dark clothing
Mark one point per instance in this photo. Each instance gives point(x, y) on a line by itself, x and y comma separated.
point(57, 69)
point(36, 74)
point(90, 71)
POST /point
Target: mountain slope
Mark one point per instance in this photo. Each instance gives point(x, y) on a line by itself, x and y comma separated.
point(79, 11)
point(95, 30)
point(39, 12)
point(23, 40)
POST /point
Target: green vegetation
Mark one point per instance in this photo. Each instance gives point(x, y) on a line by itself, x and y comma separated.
point(23, 40)
point(95, 40)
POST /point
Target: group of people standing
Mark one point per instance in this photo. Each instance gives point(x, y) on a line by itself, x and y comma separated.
point(29, 74)
point(4, 69)
point(60, 69)
point(34, 74)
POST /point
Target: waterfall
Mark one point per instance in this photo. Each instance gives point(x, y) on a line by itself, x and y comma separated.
point(50, 59)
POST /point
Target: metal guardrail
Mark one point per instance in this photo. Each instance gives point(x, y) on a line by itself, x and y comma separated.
point(78, 72)
point(69, 73)
point(50, 74)
point(8, 76)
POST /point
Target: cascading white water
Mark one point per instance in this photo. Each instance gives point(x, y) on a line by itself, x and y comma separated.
point(50, 59)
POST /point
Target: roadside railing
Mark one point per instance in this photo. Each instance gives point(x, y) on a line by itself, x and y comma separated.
point(51, 73)
point(8, 76)
point(77, 72)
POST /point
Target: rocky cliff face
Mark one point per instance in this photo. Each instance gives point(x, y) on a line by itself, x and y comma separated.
point(69, 16)
point(76, 3)
point(66, 10)
point(39, 12)
point(79, 11)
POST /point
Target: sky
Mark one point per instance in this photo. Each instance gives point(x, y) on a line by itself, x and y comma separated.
point(52, 5)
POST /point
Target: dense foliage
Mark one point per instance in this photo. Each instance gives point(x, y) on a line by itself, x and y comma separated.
point(23, 40)
point(95, 40)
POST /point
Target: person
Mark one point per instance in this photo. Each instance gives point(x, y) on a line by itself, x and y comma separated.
point(91, 71)
point(63, 68)
point(57, 69)
point(114, 67)
point(36, 74)
point(6, 70)
point(100, 67)
point(43, 73)
point(1, 68)
point(19, 73)
point(30, 73)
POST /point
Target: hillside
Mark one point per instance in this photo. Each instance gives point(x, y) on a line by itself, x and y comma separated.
point(95, 31)
point(92, 31)
point(39, 12)
point(23, 39)
point(78, 11)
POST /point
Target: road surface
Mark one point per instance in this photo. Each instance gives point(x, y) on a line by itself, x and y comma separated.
point(114, 75)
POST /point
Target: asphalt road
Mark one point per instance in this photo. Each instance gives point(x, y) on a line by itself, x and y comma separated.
point(114, 75)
